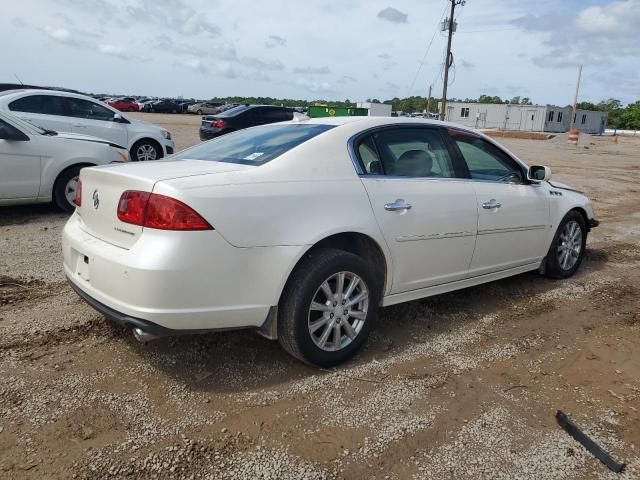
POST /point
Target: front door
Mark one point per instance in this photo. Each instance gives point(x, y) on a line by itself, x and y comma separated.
point(513, 213)
point(91, 118)
point(19, 166)
point(427, 216)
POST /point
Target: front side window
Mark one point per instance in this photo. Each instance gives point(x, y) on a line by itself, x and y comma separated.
point(484, 160)
point(79, 108)
point(253, 146)
point(406, 152)
point(42, 104)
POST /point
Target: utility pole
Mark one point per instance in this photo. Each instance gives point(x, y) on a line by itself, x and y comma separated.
point(575, 100)
point(429, 101)
point(447, 60)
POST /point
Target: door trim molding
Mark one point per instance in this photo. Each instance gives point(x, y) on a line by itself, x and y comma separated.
point(434, 236)
point(490, 231)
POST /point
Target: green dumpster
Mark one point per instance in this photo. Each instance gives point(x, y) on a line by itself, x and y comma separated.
point(315, 111)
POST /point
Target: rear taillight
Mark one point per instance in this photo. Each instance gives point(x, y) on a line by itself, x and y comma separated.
point(219, 124)
point(78, 199)
point(152, 210)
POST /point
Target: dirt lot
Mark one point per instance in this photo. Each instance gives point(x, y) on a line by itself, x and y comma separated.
point(464, 385)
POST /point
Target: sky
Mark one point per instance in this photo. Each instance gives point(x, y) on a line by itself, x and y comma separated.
point(329, 49)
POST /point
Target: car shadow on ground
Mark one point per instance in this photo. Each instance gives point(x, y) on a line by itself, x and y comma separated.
point(23, 214)
point(242, 361)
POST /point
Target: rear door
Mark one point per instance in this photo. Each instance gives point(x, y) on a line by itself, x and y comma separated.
point(20, 166)
point(91, 118)
point(47, 111)
point(513, 214)
point(427, 216)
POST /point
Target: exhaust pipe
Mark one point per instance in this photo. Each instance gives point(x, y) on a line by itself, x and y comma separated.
point(142, 336)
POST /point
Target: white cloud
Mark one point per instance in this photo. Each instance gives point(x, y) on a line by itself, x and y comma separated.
point(61, 35)
point(323, 70)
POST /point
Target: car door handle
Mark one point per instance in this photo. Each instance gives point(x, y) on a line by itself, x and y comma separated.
point(491, 204)
point(397, 206)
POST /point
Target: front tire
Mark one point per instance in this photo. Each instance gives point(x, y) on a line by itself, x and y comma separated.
point(64, 189)
point(328, 307)
point(568, 246)
point(199, 112)
point(144, 151)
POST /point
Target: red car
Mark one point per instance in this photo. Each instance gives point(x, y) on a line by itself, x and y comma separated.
point(125, 104)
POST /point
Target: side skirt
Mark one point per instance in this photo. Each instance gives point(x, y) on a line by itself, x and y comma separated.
point(449, 287)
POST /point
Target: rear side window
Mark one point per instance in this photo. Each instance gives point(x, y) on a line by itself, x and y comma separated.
point(253, 146)
point(406, 152)
point(484, 160)
point(42, 104)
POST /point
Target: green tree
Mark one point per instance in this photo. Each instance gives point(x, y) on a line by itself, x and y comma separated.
point(515, 100)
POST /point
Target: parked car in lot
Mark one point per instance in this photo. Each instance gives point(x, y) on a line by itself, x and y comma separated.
point(303, 229)
point(205, 108)
point(69, 112)
point(242, 117)
point(125, 104)
point(164, 106)
point(39, 165)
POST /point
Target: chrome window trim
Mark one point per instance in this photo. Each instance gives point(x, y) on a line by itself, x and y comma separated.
point(362, 174)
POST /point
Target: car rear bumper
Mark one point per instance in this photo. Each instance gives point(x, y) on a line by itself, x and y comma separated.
point(209, 133)
point(176, 282)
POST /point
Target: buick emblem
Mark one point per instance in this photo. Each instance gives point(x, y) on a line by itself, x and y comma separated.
point(96, 199)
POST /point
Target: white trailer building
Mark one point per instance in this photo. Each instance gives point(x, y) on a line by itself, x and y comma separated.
point(531, 118)
point(376, 109)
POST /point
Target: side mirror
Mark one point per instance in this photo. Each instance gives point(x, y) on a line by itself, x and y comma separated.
point(539, 173)
point(9, 132)
point(119, 118)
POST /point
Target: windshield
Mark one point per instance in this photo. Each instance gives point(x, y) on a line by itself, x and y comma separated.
point(253, 146)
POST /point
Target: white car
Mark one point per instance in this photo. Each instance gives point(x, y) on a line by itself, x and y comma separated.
point(75, 113)
point(38, 165)
point(303, 229)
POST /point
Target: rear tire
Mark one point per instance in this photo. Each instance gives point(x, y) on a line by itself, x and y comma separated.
point(326, 329)
point(199, 112)
point(64, 189)
point(568, 246)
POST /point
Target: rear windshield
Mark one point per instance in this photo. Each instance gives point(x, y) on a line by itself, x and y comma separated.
point(253, 146)
point(232, 112)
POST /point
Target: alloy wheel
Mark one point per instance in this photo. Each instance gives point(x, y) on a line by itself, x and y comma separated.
point(145, 153)
point(569, 245)
point(338, 311)
point(70, 191)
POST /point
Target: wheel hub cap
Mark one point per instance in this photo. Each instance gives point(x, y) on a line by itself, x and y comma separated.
point(569, 245)
point(338, 311)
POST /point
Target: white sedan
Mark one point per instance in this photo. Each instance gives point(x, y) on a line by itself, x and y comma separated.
point(76, 113)
point(39, 165)
point(303, 229)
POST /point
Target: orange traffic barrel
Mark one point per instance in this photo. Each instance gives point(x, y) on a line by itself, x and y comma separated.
point(573, 136)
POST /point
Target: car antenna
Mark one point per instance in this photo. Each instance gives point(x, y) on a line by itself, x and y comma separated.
point(17, 78)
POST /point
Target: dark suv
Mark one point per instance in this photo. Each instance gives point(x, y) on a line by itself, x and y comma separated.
point(241, 117)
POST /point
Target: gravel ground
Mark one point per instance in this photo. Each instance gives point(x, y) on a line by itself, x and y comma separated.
point(464, 385)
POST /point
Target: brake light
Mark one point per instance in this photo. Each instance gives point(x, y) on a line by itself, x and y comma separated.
point(219, 124)
point(152, 210)
point(78, 199)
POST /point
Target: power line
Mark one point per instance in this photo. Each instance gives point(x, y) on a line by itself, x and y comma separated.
point(427, 51)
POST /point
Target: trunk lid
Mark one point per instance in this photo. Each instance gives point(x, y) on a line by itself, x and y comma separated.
point(103, 186)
